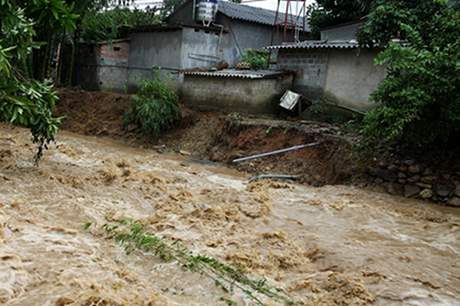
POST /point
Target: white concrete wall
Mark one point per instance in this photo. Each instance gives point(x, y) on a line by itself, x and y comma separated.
point(350, 79)
point(200, 48)
point(339, 75)
point(155, 49)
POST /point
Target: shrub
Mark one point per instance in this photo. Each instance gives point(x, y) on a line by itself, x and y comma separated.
point(257, 59)
point(420, 97)
point(155, 106)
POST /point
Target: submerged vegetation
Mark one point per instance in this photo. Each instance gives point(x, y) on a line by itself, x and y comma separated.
point(132, 235)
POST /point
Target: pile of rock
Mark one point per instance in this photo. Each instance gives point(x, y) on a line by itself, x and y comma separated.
point(414, 180)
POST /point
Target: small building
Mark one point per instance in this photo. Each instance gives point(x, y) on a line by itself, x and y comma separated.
point(333, 69)
point(183, 42)
point(237, 27)
point(103, 66)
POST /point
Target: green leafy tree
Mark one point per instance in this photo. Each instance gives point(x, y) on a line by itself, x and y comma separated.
point(326, 13)
point(23, 100)
point(106, 25)
point(53, 19)
point(420, 97)
point(387, 17)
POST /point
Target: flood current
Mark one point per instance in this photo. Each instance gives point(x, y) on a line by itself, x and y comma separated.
point(334, 245)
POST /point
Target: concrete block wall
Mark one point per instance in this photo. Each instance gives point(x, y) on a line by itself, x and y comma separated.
point(199, 48)
point(310, 70)
point(160, 48)
point(248, 96)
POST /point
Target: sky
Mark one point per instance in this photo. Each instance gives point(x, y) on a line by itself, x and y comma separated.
point(267, 4)
point(272, 4)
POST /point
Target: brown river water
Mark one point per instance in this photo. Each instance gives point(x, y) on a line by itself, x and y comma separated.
point(334, 245)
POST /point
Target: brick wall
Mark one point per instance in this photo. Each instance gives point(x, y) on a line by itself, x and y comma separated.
point(113, 63)
point(103, 67)
point(118, 50)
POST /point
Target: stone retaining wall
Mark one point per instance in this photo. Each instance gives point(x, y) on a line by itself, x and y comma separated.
point(416, 180)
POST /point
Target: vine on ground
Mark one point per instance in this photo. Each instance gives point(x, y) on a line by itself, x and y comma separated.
point(132, 235)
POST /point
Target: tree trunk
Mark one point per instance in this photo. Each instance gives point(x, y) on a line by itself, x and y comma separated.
point(45, 60)
point(72, 62)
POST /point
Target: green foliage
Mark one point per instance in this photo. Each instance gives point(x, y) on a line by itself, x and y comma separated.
point(387, 17)
point(170, 5)
point(155, 107)
point(257, 58)
point(268, 131)
point(23, 100)
point(30, 31)
point(420, 97)
point(30, 103)
point(55, 19)
point(131, 234)
point(106, 25)
point(227, 301)
point(326, 13)
point(52, 15)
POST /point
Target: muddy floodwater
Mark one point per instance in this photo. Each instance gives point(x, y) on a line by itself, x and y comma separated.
point(334, 245)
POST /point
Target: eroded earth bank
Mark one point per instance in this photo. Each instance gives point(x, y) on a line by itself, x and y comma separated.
point(327, 245)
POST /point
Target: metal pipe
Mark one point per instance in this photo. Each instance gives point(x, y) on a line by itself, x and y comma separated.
point(220, 39)
point(278, 151)
point(347, 108)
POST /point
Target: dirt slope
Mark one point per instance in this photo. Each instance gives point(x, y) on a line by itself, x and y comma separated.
point(221, 138)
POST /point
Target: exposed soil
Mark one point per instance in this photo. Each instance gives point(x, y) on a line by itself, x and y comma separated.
point(94, 113)
point(221, 138)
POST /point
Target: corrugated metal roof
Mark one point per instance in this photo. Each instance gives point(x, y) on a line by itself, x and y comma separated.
point(317, 44)
point(345, 32)
point(250, 13)
point(232, 73)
